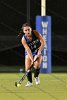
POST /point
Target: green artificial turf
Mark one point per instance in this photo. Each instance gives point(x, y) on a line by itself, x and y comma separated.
point(52, 87)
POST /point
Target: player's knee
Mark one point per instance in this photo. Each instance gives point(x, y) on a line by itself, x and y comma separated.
point(36, 64)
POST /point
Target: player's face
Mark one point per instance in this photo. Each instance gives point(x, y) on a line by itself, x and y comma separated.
point(27, 30)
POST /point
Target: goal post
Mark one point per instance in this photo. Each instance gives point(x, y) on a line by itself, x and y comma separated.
point(43, 25)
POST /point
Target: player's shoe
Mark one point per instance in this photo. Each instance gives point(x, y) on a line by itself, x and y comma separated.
point(37, 80)
point(28, 84)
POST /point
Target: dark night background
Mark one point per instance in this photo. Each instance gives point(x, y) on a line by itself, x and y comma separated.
point(13, 13)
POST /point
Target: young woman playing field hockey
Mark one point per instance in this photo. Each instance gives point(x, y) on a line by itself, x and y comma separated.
point(33, 43)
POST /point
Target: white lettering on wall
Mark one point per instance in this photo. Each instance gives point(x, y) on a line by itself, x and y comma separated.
point(44, 34)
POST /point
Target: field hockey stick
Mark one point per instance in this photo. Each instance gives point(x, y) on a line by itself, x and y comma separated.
point(17, 84)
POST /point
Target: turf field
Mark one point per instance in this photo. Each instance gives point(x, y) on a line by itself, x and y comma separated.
point(52, 87)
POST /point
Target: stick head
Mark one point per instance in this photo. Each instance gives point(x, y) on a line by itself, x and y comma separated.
point(16, 84)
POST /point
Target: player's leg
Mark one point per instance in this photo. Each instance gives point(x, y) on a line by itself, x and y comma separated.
point(27, 66)
point(37, 69)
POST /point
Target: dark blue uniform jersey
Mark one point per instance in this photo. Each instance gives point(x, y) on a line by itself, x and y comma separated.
point(33, 44)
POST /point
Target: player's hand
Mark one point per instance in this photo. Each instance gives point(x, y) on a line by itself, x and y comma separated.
point(32, 61)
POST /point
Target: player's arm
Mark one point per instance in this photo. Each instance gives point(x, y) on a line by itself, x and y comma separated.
point(42, 41)
point(23, 41)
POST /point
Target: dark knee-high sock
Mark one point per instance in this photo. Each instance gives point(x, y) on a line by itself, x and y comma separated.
point(29, 76)
point(36, 72)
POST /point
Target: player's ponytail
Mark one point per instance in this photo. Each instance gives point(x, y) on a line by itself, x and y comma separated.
point(20, 33)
